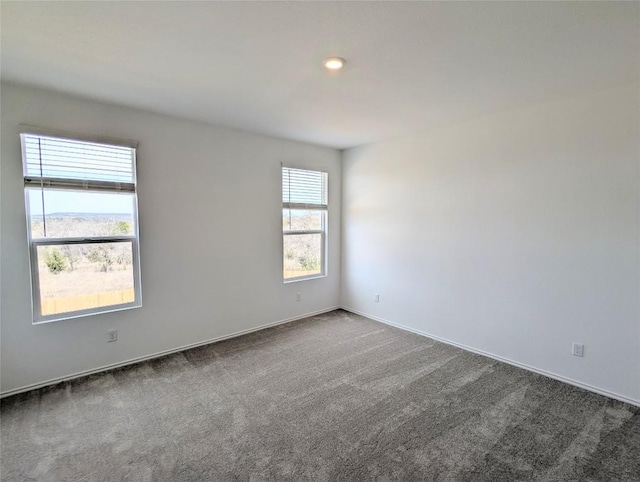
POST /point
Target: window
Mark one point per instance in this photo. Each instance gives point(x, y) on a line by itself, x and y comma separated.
point(304, 223)
point(82, 225)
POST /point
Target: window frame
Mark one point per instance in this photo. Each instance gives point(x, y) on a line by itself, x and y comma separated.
point(322, 231)
point(74, 185)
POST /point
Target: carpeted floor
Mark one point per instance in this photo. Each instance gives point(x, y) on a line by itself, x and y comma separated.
point(333, 397)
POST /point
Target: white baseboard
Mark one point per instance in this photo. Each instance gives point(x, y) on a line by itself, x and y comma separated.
point(555, 376)
point(132, 361)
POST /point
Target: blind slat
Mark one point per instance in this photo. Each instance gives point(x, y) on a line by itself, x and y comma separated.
point(54, 157)
point(93, 185)
point(304, 189)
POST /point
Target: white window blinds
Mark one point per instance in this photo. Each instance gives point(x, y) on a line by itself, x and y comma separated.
point(54, 161)
point(304, 189)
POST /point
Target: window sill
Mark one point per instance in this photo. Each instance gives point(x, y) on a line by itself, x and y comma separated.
point(305, 278)
point(82, 314)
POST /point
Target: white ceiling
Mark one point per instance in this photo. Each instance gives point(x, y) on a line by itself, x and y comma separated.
point(258, 66)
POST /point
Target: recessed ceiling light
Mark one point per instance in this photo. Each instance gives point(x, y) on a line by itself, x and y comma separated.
point(334, 63)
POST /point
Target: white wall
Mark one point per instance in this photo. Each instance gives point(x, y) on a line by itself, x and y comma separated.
point(210, 227)
point(515, 234)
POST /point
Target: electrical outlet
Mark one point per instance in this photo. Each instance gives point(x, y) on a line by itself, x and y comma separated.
point(577, 349)
point(376, 298)
point(112, 335)
point(298, 296)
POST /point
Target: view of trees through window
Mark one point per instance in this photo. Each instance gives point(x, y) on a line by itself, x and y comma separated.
point(80, 276)
point(302, 250)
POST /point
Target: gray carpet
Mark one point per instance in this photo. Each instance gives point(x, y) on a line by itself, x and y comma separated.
point(333, 397)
